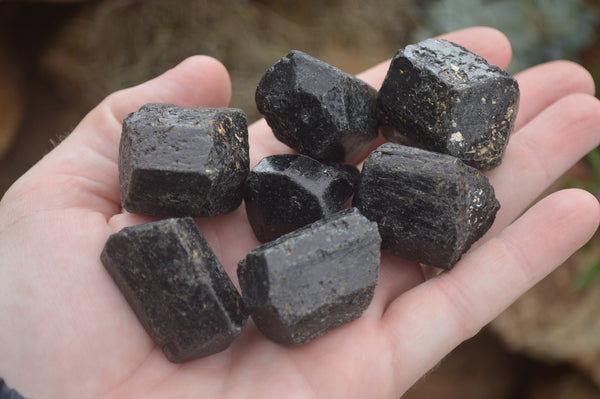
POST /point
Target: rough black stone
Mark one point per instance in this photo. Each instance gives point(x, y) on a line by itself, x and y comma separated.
point(176, 286)
point(317, 109)
point(177, 161)
point(430, 207)
point(285, 192)
point(312, 280)
point(441, 97)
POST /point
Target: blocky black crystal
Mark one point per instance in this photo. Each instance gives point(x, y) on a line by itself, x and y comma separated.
point(177, 161)
point(176, 286)
point(444, 98)
point(317, 109)
point(312, 280)
point(430, 207)
point(288, 191)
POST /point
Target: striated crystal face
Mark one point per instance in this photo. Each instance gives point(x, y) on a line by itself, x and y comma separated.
point(312, 280)
point(176, 286)
point(441, 97)
point(285, 192)
point(430, 207)
point(177, 161)
point(317, 109)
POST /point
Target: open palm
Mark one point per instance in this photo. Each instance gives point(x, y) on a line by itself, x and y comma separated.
point(67, 332)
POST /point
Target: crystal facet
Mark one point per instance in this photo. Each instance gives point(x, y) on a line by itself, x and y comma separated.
point(429, 207)
point(177, 161)
point(317, 109)
point(312, 280)
point(441, 97)
point(288, 191)
point(176, 287)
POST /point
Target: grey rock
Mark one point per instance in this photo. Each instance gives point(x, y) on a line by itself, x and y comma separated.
point(176, 286)
point(177, 161)
point(312, 280)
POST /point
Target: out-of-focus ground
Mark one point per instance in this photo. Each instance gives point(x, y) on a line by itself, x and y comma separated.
point(60, 58)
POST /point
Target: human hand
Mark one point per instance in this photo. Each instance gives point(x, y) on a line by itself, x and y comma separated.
point(67, 332)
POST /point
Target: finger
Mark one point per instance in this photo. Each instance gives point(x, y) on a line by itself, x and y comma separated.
point(434, 317)
point(396, 276)
point(197, 81)
point(542, 151)
point(263, 143)
point(82, 170)
point(489, 43)
point(544, 84)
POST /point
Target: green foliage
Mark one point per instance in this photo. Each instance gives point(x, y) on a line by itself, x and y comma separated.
point(539, 30)
point(593, 160)
point(584, 279)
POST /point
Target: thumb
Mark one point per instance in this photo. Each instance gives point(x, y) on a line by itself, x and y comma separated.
point(82, 170)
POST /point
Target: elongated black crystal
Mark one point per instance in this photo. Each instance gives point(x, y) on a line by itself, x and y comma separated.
point(285, 192)
point(430, 207)
point(176, 286)
point(312, 280)
point(317, 109)
point(444, 98)
point(177, 161)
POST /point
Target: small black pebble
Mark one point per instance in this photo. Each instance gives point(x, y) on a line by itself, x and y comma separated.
point(430, 207)
point(442, 97)
point(178, 161)
point(285, 192)
point(312, 280)
point(176, 286)
point(317, 109)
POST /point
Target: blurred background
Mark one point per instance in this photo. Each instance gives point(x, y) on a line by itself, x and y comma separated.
point(60, 58)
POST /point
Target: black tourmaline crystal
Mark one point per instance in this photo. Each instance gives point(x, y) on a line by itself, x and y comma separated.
point(429, 207)
point(441, 97)
point(288, 191)
point(177, 161)
point(176, 286)
point(312, 280)
point(317, 109)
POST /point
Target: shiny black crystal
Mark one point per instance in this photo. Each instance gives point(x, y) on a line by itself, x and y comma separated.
point(444, 98)
point(430, 207)
point(288, 191)
point(317, 109)
point(176, 286)
point(312, 280)
point(177, 161)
